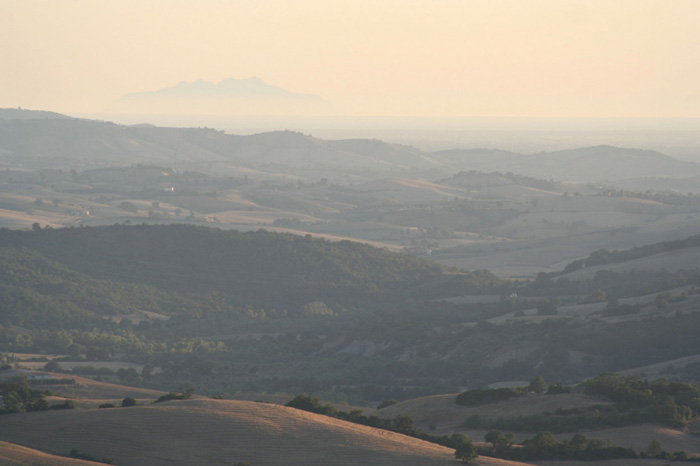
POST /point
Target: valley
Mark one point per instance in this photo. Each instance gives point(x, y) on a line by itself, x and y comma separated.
point(136, 261)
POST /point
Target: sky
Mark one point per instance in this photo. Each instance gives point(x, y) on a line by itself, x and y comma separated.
point(427, 58)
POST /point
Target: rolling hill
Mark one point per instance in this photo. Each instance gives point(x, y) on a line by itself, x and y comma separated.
point(12, 454)
point(250, 266)
point(582, 164)
point(214, 432)
point(46, 141)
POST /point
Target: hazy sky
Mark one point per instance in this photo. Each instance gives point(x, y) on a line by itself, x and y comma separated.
point(541, 58)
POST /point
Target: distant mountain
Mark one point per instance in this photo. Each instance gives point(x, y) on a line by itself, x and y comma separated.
point(231, 96)
point(23, 114)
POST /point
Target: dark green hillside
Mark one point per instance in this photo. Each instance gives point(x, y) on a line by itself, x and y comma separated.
point(252, 268)
point(36, 292)
point(291, 294)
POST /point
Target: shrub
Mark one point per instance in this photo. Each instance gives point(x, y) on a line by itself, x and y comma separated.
point(68, 404)
point(127, 402)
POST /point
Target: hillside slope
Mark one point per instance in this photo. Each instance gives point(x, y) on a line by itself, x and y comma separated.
point(252, 267)
point(214, 432)
point(11, 454)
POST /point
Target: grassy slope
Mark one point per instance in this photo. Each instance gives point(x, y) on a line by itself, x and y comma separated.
point(217, 432)
point(11, 454)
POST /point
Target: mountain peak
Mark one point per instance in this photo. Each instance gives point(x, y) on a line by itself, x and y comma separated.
point(230, 96)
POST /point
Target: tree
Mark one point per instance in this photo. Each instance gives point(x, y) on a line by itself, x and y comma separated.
point(404, 425)
point(538, 385)
point(459, 438)
point(505, 441)
point(37, 404)
point(493, 436)
point(52, 366)
point(499, 440)
point(543, 444)
point(466, 452)
point(578, 442)
point(187, 391)
point(654, 449)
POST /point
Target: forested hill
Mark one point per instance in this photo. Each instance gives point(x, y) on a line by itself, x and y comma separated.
point(258, 268)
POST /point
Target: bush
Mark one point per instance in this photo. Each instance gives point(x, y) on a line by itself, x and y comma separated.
point(186, 394)
point(478, 397)
point(128, 402)
point(68, 404)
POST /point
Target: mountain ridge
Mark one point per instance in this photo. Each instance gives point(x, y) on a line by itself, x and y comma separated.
point(228, 96)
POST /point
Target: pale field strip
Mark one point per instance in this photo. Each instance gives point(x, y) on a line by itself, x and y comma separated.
point(685, 259)
point(442, 411)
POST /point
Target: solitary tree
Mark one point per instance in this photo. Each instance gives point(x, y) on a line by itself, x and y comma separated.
point(52, 366)
point(466, 452)
point(538, 385)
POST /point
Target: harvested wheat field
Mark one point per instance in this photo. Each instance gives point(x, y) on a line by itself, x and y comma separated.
point(11, 454)
point(214, 432)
